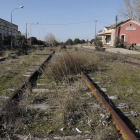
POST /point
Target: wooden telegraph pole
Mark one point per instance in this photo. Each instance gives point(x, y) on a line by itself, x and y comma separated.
point(95, 27)
point(116, 27)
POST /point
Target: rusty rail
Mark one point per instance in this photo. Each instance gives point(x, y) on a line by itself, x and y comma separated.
point(120, 125)
point(133, 63)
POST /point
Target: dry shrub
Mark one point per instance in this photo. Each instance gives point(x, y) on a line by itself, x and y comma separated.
point(69, 103)
point(63, 66)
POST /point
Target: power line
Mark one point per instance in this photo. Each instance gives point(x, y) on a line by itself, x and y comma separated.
point(69, 23)
point(104, 22)
point(55, 24)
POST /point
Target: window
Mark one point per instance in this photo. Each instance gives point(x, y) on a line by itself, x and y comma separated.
point(130, 25)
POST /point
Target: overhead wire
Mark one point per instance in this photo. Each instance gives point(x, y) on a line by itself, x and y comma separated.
point(72, 23)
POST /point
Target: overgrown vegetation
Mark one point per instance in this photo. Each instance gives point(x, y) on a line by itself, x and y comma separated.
point(71, 109)
point(118, 42)
point(64, 66)
point(98, 43)
point(22, 44)
point(1, 46)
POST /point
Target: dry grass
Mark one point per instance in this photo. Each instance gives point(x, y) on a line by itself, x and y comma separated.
point(72, 112)
point(63, 67)
point(112, 58)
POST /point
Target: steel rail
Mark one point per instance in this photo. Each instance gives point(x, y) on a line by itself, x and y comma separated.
point(120, 125)
point(133, 63)
point(129, 62)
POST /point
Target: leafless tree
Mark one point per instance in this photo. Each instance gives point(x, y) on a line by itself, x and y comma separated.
point(130, 9)
point(136, 5)
point(50, 38)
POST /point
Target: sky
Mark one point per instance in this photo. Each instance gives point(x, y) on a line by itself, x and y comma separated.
point(63, 18)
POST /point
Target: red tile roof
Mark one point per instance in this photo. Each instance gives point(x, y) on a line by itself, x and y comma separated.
point(121, 22)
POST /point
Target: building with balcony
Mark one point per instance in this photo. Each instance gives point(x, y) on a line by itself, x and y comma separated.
point(5, 29)
point(127, 30)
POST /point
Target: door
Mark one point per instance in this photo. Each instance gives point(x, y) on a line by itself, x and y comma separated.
point(123, 38)
point(108, 39)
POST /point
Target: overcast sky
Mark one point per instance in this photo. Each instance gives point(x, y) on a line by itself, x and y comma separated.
point(64, 18)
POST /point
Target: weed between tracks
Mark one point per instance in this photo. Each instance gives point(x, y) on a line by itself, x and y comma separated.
point(63, 67)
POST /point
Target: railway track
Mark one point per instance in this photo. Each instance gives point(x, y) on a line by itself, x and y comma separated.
point(61, 110)
point(119, 55)
point(120, 125)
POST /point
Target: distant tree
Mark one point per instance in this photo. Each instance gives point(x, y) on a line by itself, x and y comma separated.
point(130, 9)
point(61, 43)
point(21, 41)
point(56, 43)
point(69, 42)
point(33, 40)
point(83, 41)
point(92, 40)
point(76, 41)
point(39, 42)
point(50, 38)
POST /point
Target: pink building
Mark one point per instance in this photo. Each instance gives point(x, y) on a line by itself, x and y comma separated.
point(128, 30)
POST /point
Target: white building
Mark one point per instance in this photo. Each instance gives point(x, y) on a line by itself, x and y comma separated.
point(5, 29)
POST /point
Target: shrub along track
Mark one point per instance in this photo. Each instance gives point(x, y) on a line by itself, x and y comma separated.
point(56, 109)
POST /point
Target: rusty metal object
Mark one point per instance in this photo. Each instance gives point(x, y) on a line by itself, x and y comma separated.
point(120, 125)
point(33, 77)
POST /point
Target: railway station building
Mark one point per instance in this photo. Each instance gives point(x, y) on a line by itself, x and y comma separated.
point(5, 29)
point(127, 30)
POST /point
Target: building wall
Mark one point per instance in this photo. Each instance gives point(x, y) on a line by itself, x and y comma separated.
point(131, 35)
point(5, 28)
point(112, 37)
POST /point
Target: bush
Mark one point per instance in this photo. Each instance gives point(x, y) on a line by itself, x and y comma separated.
point(64, 66)
point(98, 43)
point(118, 42)
point(76, 41)
point(22, 44)
point(63, 46)
point(69, 42)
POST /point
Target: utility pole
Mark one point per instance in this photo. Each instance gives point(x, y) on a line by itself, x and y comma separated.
point(116, 27)
point(116, 23)
point(26, 33)
point(95, 27)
